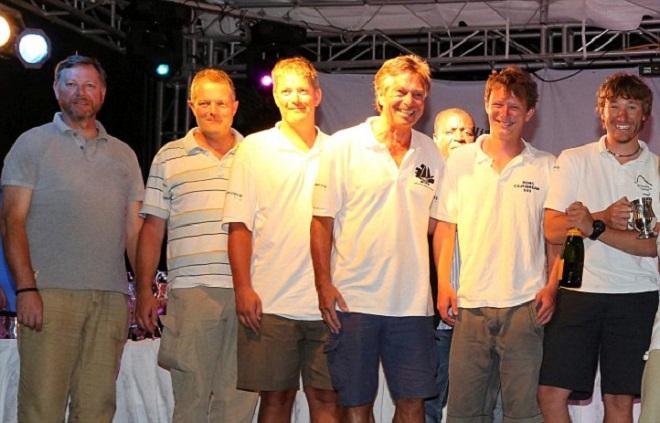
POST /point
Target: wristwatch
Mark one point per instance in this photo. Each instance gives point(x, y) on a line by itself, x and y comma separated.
point(599, 228)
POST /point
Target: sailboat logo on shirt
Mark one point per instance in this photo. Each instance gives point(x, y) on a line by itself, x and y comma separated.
point(644, 185)
point(423, 174)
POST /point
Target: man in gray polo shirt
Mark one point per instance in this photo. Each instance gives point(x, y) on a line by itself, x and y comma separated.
point(71, 199)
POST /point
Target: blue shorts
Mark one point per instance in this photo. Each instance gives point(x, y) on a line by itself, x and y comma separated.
point(404, 344)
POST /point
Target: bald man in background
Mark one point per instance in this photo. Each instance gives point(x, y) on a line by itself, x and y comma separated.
point(452, 128)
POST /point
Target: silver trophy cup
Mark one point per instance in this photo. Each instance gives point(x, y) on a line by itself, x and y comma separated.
point(643, 218)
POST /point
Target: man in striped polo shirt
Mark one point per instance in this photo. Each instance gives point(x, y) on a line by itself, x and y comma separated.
point(186, 194)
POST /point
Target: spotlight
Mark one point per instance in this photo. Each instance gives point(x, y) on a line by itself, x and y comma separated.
point(266, 81)
point(5, 31)
point(33, 48)
point(163, 70)
point(11, 22)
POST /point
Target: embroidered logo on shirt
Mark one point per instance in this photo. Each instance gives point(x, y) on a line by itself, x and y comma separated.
point(423, 174)
point(644, 185)
point(527, 186)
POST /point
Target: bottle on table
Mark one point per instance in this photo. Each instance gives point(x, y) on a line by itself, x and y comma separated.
point(572, 260)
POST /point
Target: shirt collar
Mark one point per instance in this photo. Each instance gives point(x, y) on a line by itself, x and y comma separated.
point(191, 146)
point(528, 152)
point(602, 149)
point(58, 120)
point(318, 141)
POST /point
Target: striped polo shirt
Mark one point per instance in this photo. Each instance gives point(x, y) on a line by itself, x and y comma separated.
point(186, 186)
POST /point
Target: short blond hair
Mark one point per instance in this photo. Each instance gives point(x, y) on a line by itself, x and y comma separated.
point(297, 65)
point(403, 64)
point(212, 75)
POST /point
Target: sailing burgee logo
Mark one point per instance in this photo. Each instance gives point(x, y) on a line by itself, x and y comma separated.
point(423, 174)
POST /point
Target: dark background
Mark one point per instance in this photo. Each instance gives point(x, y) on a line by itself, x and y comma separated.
point(129, 111)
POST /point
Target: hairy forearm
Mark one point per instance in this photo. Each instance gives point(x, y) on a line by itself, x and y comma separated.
point(444, 238)
point(148, 251)
point(133, 226)
point(17, 252)
point(628, 242)
point(321, 248)
point(240, 254)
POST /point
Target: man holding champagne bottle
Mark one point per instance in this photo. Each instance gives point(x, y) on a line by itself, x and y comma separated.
point(609, 318)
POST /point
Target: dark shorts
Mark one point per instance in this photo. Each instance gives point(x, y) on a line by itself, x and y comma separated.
point(405, 345)
point(588, 327)
point(283, 351)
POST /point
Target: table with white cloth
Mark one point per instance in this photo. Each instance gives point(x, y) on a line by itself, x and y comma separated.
point(144, 390)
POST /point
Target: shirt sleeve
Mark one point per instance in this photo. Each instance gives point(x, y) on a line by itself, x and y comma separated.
point(327, 198)
point(137, 183)
point(157, 196)
point(436, 195)
point(241, 197)
point(446, 204)
point(563, 183)
point(21, 167)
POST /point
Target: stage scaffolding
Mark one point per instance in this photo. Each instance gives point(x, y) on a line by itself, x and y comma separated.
point(219, 36)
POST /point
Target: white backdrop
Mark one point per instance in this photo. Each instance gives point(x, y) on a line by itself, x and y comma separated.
point(565, 114)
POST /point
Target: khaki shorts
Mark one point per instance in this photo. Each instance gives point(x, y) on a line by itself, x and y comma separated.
point(492, 347)
point(284, 349)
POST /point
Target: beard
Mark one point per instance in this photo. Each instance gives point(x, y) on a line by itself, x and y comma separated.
point(79, 112)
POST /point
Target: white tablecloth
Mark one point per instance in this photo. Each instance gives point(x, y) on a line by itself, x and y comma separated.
point(144, 390)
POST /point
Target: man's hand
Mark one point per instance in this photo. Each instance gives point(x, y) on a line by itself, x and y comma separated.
point(448, 305)
point(617, 214)
point(248, 308)
point(146, 311)
point(30, 310)
point(579, 217)
point(544, 302)
point(329, 298)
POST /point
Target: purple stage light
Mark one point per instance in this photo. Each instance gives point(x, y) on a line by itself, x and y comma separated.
point(266, 81)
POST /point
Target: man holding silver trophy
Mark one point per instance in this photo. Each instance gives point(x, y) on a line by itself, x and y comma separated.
point(605, 189)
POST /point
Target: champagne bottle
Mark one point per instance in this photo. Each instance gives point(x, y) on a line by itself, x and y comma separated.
point(572, 260)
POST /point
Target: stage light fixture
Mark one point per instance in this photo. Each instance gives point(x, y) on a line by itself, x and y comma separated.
point(5, 31)
point(163, 70)
point(266, 81)
point(11, 23)
point(33, 48)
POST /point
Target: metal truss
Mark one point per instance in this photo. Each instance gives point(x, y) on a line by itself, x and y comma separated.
point(559, 46)
point(98, 20)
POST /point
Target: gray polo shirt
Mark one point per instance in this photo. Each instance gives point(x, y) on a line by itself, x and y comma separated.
point(81, 189)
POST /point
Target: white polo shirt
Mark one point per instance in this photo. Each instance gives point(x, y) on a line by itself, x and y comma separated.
point(186, 186)
point(499, 219)
point(270, 191)
point(591, 175)
point(381, 214)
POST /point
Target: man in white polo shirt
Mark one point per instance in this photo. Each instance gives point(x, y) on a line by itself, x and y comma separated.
point(492, 194)
point(268, 211)
point(372, 213)
point(608, 321)
point(185, 196)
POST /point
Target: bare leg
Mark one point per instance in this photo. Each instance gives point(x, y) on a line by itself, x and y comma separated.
point(409, 411)
point(276, 406)
point(323, 405)
point(618, 408)
point(554, 404)
point(359, 414)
